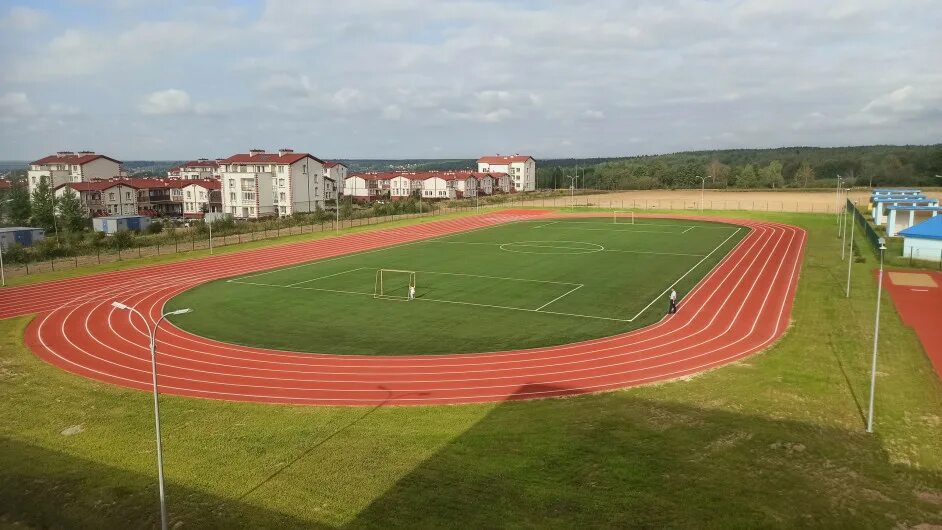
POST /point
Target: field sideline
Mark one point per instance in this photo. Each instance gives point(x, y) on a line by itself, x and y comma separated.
point(717, 450)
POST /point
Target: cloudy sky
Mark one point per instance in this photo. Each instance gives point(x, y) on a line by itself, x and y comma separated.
point(167, 79)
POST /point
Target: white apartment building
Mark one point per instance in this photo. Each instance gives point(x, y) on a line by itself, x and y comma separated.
point(485, 183)
point(403, 185)
point(201, 169)
point(520, 168)
point(335, 174)
point(104, 197)
point(367, 186)
point(200, 197)
point(438, 186)
point(259, 184)
point(465, 184)
point(66, 166)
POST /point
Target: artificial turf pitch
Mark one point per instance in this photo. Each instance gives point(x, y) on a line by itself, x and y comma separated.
point(517, 285)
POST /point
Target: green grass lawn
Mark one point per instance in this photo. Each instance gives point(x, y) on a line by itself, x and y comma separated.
point(776, 440)
point(525, 284)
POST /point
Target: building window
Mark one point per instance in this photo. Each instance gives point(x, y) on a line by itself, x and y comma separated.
point(232, 196)
point(252, 210)
point(231, 183)
point(281, 169)
point(248, 196)
point(188, 195)
point(111, 196)
point(281, 195)
point(281, 182)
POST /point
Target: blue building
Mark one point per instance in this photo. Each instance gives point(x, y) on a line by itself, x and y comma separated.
point(116, 223)
point(23, 235)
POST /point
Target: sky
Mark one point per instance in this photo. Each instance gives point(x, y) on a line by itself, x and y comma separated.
point(170, 80)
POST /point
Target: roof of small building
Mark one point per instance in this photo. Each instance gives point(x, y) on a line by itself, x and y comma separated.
point(929, 229)
point(908, 208)
point(198, 163)
point(80, 158)
point(116, 217)
point(17, 228)
point(904, 198)
point(507, 159)
point(333, 163)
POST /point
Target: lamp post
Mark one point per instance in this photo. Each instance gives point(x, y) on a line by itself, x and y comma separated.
point(572, 190)
point(850, 254)
point(152, 334)
point(3, 278)
point(837, 197)
point(876, 335)
point(702, 187)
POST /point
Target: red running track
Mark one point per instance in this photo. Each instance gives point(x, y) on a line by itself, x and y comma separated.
point(739, 308)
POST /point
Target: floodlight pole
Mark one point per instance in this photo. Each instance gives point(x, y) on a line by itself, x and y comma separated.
point(844, 227)
point(876, 335)
point(152, 335)
point(337, 204)
point(572, 190)
point(850, 254)
point(210, 236)
point(702, 187)
point(3, 278)
point(837, 197)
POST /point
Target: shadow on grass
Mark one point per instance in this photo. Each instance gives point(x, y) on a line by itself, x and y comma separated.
point(605, 460)
point(43, 489)
point(614, 460)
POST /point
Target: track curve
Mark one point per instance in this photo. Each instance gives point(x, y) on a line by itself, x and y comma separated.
point(742, 306)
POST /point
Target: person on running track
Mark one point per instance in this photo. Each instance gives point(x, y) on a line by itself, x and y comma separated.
point(673, 302)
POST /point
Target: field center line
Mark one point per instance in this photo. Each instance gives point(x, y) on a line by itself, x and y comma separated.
point(328, 276)
point(560, 296)
point(669, 287)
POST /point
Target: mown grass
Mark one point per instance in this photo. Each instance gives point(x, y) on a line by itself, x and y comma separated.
point(776, 440)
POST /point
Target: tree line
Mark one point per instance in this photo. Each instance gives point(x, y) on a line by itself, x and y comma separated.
point(753, 168)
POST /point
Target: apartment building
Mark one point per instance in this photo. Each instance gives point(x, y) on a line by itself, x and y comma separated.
point(259, 184)
point(520, 168)
point(104, 197)
point(201, 169)
point(67, 166)
point(335, 175)
point(368, 186)
point(200, 197)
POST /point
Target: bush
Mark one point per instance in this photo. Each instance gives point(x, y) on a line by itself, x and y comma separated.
point(122, 239)
point(155, 228)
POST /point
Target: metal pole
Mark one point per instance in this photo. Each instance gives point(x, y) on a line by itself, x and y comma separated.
point(844, 229)
point(850, 254)
point(876, 335)
point(210, 238)
point(3, 278)
point(337, 204)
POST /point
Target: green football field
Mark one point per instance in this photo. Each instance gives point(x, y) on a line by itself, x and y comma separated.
point(517, 285)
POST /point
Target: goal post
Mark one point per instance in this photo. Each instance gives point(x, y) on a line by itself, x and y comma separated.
point(623, 217)
point(393, 283)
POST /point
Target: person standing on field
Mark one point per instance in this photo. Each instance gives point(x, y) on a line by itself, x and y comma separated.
point(411, 292)
point(673, 302)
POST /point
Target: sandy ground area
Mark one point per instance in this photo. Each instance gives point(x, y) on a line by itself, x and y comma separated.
point(788, 201)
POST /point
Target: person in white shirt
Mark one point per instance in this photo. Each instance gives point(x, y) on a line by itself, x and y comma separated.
point(411, 292)
point(673, 301)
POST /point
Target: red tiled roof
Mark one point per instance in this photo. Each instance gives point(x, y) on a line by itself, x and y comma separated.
point(501, 160)
point(205, 183)
point(71, 159)
point(137, 183)
point(268, 158)
point(5, 184)
point(331, 163)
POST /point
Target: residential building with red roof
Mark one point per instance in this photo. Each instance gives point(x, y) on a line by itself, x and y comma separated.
point(520, 168)
point(258, 184)
point(200, 169)
point(67, 166)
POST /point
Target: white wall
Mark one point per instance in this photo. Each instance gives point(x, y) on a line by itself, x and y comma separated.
point(924, 249)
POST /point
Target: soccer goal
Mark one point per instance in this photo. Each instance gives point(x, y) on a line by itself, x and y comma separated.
point(623, 218)
point(393, 283)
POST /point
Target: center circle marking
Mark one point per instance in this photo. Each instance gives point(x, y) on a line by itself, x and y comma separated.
point(551, 247)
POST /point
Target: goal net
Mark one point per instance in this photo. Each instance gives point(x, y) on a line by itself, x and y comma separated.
point(623, 218)
point(393, 283)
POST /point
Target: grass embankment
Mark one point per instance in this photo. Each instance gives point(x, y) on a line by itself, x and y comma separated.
point(774, 441)
point(132, 262)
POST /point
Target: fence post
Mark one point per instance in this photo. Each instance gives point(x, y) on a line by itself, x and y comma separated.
point(98, 252)
point(910, 256)
point(53, 262)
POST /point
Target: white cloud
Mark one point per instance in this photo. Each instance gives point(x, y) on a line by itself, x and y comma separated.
point(22, 18)
point(392, 112)
point(167, 102)
point(16, 104)
point(594, 114)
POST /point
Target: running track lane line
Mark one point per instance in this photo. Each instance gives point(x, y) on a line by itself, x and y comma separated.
point(87, 338)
